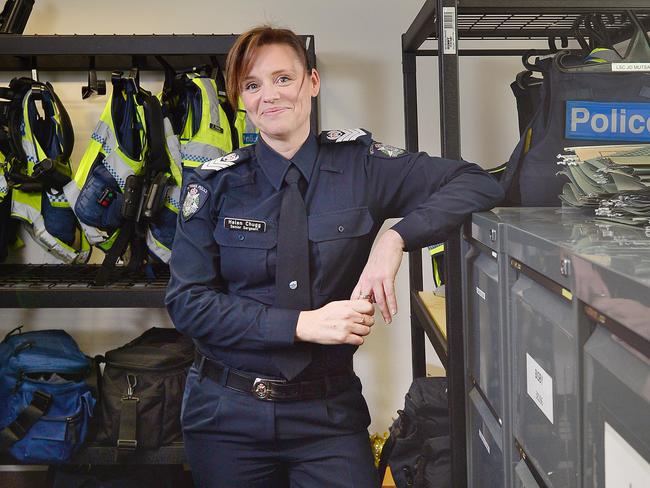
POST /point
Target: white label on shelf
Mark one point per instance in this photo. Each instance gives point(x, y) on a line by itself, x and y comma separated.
point(630, 66)
point(484, 441)
point(495, 255)
point(480, 293)
point(449, 30)
point(539, 386)
point(624, 467)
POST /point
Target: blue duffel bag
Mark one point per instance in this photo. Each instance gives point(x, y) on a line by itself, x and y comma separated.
point(45, 402)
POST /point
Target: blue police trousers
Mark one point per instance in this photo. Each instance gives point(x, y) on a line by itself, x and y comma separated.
point(234, 440)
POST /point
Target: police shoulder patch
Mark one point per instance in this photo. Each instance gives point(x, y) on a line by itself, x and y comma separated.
point(381, 149)
point(344, 135)
point(195, 197)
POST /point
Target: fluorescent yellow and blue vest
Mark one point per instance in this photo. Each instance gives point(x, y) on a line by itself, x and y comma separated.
point(97, 191)
point(207, 133)
point(46, 214)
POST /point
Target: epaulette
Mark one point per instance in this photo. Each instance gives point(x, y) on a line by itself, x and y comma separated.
point(211, 167)
point(345, 135)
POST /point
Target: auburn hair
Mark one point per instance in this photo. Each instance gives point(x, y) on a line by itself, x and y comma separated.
point(242, 55)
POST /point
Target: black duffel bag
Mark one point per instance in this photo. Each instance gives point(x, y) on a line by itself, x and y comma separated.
point(418, 448)
point(142, 390)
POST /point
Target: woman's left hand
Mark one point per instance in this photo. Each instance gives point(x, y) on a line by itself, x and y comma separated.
point(377, 281)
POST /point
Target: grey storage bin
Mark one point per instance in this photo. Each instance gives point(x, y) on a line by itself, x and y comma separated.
point(485, 449)
point(545, 382)
point(616, 412)
point(484, 328)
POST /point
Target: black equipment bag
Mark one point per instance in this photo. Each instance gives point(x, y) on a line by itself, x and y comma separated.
point(418, 448)
point(142, 391)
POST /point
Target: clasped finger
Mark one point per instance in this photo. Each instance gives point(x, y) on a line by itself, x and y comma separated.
point(368, 320)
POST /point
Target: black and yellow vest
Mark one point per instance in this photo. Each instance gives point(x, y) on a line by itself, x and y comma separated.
point(38, 167)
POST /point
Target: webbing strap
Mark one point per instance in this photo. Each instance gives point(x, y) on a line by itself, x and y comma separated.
point(157, 159)
point(114, 253)
point(127, 435)
point(26, 419)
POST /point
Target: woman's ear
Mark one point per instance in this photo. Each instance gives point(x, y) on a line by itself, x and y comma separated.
point(314, 80)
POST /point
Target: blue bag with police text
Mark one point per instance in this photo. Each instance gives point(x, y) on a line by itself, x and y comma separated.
point(45, 402)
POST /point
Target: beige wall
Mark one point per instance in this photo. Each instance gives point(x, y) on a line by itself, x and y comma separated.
point(359, 58)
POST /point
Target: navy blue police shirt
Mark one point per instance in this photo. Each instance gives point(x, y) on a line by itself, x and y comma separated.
point(222, 287)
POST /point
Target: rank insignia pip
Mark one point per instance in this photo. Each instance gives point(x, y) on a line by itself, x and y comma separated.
point(195, 196)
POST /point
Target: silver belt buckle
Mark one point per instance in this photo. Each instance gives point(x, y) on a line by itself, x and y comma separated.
point(262, 388)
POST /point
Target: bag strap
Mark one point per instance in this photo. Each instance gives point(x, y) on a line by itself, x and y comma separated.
point(127, 439)
point(26, 419)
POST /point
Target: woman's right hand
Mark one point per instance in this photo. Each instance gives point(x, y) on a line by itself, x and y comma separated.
point(341, 322)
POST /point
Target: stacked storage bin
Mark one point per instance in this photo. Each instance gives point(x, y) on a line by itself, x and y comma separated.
point(557, 350)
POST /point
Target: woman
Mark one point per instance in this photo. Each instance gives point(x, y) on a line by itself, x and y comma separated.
point(273, 277)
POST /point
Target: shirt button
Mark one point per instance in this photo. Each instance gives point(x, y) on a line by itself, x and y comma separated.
point(341, 228)
point(293, 285)
point(241, 237)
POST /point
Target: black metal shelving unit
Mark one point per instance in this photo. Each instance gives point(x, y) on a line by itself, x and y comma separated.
point(71, 286)
point(473, 19)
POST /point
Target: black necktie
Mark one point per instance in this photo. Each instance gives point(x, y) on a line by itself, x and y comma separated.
point(293, 287)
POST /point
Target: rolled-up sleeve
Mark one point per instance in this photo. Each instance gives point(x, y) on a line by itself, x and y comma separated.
point(433, 195)
point(197, 299)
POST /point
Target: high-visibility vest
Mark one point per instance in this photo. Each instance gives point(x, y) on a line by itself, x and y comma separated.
point(207, 133)
point(47, 215)
point(98, 188)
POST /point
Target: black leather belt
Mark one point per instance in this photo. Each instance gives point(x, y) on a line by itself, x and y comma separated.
point(272, 389)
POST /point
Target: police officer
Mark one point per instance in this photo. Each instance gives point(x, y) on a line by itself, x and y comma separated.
point(273, 278)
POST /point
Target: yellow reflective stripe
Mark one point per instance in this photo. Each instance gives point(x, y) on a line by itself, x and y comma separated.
point(437, 249)
point(529, 139)
point(25, 206)
point(103, 140)
point(436, 274)
point(29, 143)
point(106, 245)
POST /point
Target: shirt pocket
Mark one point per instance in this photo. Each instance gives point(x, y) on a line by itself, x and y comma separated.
point(342, 241)
point(245, 255)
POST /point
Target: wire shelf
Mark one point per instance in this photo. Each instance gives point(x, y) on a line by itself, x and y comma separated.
point(66, 286)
